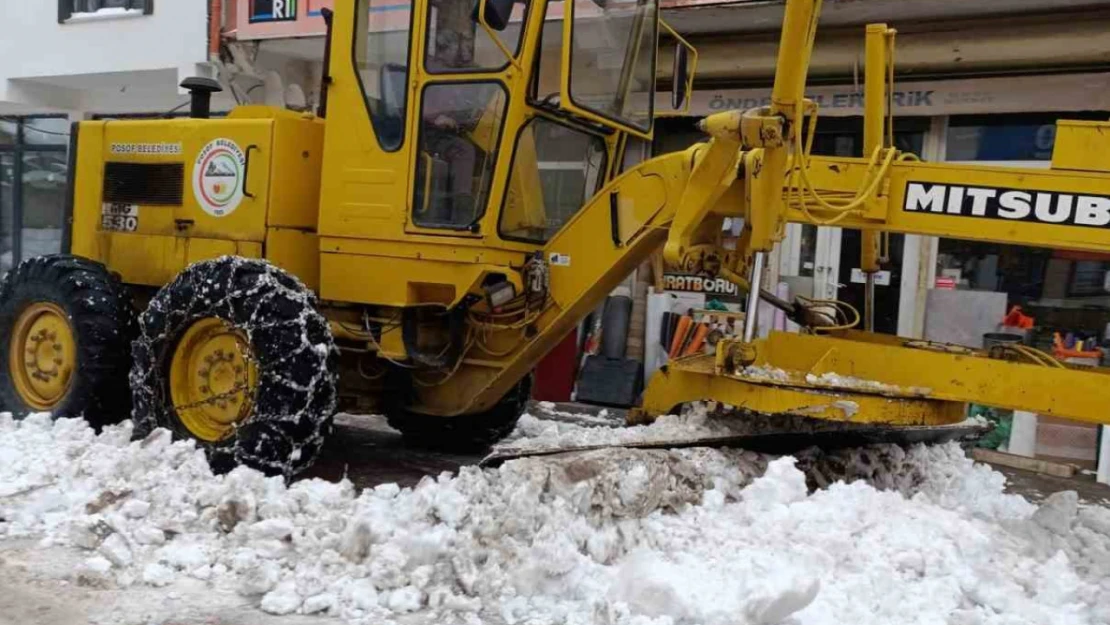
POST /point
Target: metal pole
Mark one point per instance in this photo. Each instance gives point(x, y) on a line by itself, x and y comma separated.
point(869, 303)
point(751, 312)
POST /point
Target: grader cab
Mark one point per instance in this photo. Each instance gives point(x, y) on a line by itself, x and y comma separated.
point(466, 192)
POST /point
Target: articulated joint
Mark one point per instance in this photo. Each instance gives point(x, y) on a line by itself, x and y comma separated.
point(759, 128)
point(754, 128)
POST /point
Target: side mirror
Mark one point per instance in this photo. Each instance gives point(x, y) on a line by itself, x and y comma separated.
point(497, 14)
point(680, 90)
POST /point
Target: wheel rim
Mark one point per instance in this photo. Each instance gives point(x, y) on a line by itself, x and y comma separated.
point(42, 355)
point(212, 379)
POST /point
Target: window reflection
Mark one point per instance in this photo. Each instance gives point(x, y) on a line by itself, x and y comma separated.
point(7, 211)
point(459, 135)
point(456, 43)
point(43, 197)
point(555, 171)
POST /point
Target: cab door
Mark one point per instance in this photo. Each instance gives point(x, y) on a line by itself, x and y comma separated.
point(465, 81)
point(367, 142)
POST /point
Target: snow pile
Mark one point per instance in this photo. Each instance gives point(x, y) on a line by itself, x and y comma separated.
point(644, 537)
point(699, 422)
point(836, 380)
point(536, 434)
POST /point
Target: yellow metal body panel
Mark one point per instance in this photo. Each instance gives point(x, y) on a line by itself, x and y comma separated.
point(295, 186)
point(296, 251)
point(930, 382)
point(167, 238)
point(246, 222)
point(888, 211)
point(1082, 146)
point(373, 280)
point(88, 183)
point(156, 260)
point(143, 259)
point(697, 379)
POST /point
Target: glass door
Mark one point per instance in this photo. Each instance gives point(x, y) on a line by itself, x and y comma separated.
point(42, 196)
point(809, 260)
point(7, 210)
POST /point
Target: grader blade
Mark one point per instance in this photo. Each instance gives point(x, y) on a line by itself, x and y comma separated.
point(777, 442)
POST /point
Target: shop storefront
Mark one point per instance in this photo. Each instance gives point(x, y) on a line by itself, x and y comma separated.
point(947, 289)
point(33, 176)
point(1005, 121)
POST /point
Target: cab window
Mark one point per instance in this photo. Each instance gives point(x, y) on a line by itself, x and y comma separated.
point(460, 129)
point(381, 50)
point(612, 59)
point(457, 43)
point(556, 169)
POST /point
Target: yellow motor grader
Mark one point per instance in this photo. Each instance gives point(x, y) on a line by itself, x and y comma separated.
point(464, 195)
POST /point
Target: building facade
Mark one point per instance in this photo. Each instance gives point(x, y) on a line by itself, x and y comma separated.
point(70, 60)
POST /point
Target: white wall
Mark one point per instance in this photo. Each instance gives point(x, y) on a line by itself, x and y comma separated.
point(91, 64)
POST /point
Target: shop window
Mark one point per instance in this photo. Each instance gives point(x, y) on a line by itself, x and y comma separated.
point(636, 151)
point(46, 131)
point(1023, 142)
point(565, 165)
point(8, 130)
point(844, 137)
point(1064, 291)
point(43, 202)
point(33, 176)
point(7, 211)
point(1026, 137)
point(381, 52)
point(460, 130)
point(69, 9)
point(457, 43)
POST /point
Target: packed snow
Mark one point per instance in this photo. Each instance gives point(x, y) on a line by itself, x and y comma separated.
point(619, 536)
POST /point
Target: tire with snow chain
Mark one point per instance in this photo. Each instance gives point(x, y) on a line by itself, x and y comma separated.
point(464, 433)
point(284, 377)
point(66, 326)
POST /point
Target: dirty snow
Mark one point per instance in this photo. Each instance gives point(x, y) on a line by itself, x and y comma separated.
point(644, 537)
point(535, 434)
point(836, 380)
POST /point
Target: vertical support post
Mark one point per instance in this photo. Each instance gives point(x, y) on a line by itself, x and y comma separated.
point(1104, 456)
point(874, 122)
point(755, 282)
point(1023, 434)
point(768, 210)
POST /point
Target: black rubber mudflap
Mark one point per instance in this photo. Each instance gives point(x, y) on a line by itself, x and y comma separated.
point(465, 433)
point(103, 320)
point(294, 353)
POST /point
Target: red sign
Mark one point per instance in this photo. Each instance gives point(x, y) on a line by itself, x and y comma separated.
point(945, 283)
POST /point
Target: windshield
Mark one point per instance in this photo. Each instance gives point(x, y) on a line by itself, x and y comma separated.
point(612, 63)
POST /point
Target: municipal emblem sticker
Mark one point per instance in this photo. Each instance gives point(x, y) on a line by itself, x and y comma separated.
point(218, 176)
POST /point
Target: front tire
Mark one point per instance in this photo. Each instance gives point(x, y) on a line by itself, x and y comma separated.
point(66, 326)
point(234, 355)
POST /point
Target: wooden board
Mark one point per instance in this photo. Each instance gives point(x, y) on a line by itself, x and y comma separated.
point(1021, 462)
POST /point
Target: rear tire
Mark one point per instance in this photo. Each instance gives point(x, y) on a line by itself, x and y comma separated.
point(287, 344)
point(82, 300)
point(465, 433)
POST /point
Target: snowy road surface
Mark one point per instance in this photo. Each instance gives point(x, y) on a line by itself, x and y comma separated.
point(100, 529)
